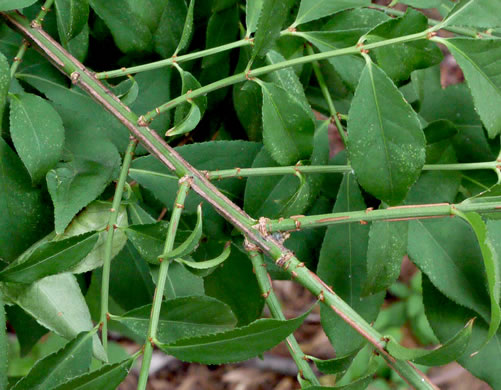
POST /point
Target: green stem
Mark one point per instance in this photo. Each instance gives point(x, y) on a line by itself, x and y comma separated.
point(264, 281)
point(162, 278)
point(240, 77)
point(108, 245)
point(173, 60)
point(201, 185)
point(24, 46)
point(433, 22)
point(399, 213)
point(292, 170)
point(327, 96)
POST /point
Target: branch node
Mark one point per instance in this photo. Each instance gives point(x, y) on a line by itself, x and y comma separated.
point(266, 294)
point(431, 34)
point(251, 247)
point(300, 265)
point(284, 259)
point(141, 121)
point(321, 297)
point(248, 76)
point(75, 76)
point(179, 206)
point(261, 226)
point(294, 274)
point(35, 24)
point(186, 179)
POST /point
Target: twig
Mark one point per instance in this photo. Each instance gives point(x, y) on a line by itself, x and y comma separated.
point(108, 245)
point(264, 281)
point(184, 187)
point(232, 213)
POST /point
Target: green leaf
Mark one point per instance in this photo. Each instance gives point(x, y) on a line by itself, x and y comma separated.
point(342, 264)
point(448, 252)
point(56, 302)
point(72, 16)
point(273, 15)
point(180, 282)
point(287, 126)
point(78, 111)
point(398, 61)
point(288, 80)
point(148, 239)
point(7, 5)
point(475, 13)
point(72, 360)
point(316, 9)
point(49, 259)
point(448, 351)
point(235, 284)
point(387, 247)
point(187, 29)
point(209, 263)
point(4, 347)
point(127, 91)
point(130, 32)
point(333, 366)
point(169, 34)
point(95, 217)
point(23, 212)
point(234, 345)
point(188, 123)
point(4, 85)
point(471, 142)
point(272, 198)
point(222, 28)
point(491, 266)
point(437, 186)
point(128, 268)
point(79, 46)
point(182, 318)
point(186, 116)
point(38, 133)
point(385, 141)
point(191, 243)
point(476, 59)
point(107, 377)
point(74, 184)
point(28, 331)
point(447, 318)
point(252, 12)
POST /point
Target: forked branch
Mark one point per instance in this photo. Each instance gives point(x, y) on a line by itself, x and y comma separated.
point(201, 185)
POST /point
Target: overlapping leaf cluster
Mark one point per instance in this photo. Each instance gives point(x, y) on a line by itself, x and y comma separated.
point(373, 72)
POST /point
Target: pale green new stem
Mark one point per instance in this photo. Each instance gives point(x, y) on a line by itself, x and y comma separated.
point(20, 54)
point(147, 118)
point(108, 245)
point(199, 183)
point(328, 169)
point(159, 290)
point(327, 96)
point(264, 281)
point(399, 213)
point(173, 60)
